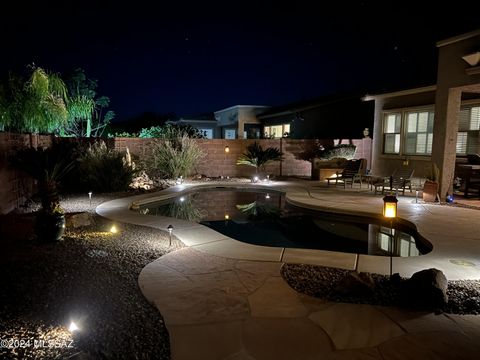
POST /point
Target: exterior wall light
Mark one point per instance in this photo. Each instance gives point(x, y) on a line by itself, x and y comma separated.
point(227, 216)
point(472, 59)
point(227, 149)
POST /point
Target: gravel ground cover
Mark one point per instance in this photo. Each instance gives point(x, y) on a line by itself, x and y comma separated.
point(321, 282)
point(91, 278)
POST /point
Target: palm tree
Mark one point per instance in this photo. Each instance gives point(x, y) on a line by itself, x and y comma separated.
point(85, 109)
point(257, 157)
point(37, 105)
point(80, 108)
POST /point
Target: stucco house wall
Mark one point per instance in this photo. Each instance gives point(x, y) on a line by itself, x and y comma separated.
point(455, 77)
point(457, 82)
point(236, 117)
point(385, 164)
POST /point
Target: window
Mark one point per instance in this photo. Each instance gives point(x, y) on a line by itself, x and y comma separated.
point(462, 143)
point(419, 135)
point(408, 132)
point(468, 136)
point(408, 246)
point(230, 134)
point(208, 133)
point(391, 133)
point(277, 131)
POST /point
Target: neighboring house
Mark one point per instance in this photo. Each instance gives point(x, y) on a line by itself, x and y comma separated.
point(208, 127)
point(240, 121)
point(326, 117)
point(433, 124)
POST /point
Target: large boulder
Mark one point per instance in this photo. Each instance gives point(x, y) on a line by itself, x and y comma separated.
point(426, 289)
point(77, 220)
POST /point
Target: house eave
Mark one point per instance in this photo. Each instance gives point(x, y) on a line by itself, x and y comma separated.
point(241, 106)
point(458, 38)
point(400, 93)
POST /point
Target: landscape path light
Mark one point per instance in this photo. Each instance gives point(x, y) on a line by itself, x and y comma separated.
point(90, 197)
point(390, 203)
point(73, 327)
point(170, 230)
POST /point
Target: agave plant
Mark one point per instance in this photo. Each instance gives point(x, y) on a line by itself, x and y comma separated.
point(257, 157)
point(47, 167)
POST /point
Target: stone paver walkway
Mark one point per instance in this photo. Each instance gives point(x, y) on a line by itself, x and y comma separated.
point(237, 306)
point(218, 308)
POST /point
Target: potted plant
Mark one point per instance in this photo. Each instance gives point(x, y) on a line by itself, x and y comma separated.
point(430, 187)
point(47, 167)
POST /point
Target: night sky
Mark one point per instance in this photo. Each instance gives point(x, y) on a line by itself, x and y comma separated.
point(196, 57)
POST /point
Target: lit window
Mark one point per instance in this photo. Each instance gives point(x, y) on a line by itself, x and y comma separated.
point(391, 132)
point(419, 136)
point(462, 143)
point(276, 131)
point(208, 133)
point(468, 136)
point(408, 246)
point(475, 118)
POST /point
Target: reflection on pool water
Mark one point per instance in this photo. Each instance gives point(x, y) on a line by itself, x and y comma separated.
point(264, 218)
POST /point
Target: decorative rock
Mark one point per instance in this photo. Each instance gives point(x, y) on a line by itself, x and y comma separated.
point(142, 182)
point(355, 284)
point(77, 220)
point(426, 289)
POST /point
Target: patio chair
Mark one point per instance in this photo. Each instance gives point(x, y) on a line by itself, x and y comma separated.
point(398, 181)
point(354, 170)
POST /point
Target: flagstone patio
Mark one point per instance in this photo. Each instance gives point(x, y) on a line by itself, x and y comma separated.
point(223, 299)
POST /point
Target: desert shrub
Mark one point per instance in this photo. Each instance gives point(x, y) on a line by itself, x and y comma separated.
point(169, 131)
point(122, 134)
point(105, 169)
point(345, 151)
point(173, 158)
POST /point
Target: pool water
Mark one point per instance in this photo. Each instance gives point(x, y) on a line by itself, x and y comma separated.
point(264, 218)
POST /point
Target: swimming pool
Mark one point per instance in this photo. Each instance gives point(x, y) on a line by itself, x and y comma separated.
point(262, 217)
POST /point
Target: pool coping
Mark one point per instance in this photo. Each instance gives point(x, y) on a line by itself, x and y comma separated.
point(453, 232)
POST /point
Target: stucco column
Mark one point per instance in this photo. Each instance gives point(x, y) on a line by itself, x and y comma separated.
point(377, 141)
point(447, 109)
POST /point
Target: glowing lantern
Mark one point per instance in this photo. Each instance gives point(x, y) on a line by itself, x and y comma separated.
point(390, 206)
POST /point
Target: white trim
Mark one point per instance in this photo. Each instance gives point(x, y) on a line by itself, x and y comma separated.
point(241, 106)
point(401, 93)
point(458, 38)
point(190, 120)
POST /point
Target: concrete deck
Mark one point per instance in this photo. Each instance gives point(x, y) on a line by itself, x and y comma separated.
point(223, 299)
